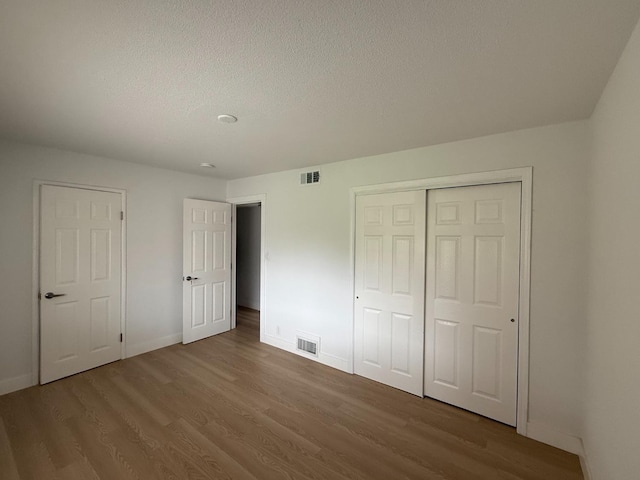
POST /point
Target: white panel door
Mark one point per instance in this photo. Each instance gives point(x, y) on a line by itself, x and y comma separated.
point(80, 280)
point(206, 293)
point(471, 338)
point(389, 289)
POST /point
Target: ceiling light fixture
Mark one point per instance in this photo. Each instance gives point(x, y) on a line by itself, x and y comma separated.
point(225, 118)
point(207, 165)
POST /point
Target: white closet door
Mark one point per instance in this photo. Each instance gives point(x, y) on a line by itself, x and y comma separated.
point(471, 338)
point(389, 289)
point(206, 289)
point(80, 280)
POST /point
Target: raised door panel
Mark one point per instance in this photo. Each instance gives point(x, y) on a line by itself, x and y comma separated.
point(447, 267)
point(488, 211)
point(67, 208)
point(199, 216)
point(402, 265)
point(199, 248)
point(487, 367)
point(445, 364)
point(219, 306)
point(488, 271)
point(372, 262)
point(220, 217)
point(67, 253)
point(100, 315)
point(198, 305)
point(101, 211)
point(448, 213)
point(371, 336)
point(219, 250)
point(373, 216)
point(68, 320)
point(402, 215)
point(401, 345)
point(101, 252)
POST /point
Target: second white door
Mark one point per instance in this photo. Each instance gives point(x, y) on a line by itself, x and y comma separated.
point(207, 269)
point(471, 337)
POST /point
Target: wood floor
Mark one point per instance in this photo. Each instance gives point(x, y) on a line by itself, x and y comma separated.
point(230, 407)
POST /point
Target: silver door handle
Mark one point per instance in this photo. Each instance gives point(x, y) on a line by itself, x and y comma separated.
point(51, 295)
point(191, 278)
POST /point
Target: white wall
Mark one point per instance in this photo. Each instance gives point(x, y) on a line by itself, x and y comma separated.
point(309, 271)
point(154, 245)
point(248, 256)
point(612, 413)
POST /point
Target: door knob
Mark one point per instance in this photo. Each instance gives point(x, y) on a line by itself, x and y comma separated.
point(51, 295)
point(191, 278)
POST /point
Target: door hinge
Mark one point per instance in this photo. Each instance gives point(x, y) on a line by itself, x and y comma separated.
point(120, 338)
point(121, 215)
point(39, 296)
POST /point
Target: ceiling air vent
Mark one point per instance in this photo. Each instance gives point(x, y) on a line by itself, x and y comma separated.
point(310, 178)
point(308, 346)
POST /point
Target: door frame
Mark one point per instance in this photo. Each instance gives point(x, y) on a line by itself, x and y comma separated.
point(35, 272)
point(235, 201)
point(524, 175)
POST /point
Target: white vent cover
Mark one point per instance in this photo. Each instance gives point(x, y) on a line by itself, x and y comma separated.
point(308, 346)
point(309, 178)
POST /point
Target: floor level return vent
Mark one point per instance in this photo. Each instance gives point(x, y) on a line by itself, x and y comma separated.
point(308, 346)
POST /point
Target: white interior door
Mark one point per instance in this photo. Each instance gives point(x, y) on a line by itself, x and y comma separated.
point(389, 289)
point(80, 280)
point(206, 296)
point(471, 338)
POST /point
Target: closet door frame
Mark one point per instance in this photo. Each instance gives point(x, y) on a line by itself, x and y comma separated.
point(524, 175)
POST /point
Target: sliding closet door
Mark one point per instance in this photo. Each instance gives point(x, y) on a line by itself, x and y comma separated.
point(389, 289)
point(471, 338)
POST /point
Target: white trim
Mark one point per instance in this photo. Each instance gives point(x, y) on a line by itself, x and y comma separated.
point(150, 345)
point(234, 266)
point(555, 438)
point(526, 202)
point(352, 258)
point(35, 271)
point(35, 286)
point(16, 383)
point(463, 180)
point(262, 200)
point(524, 175)
point(584, 465)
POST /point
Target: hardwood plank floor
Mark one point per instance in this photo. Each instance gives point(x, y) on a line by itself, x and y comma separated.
point(229, 407)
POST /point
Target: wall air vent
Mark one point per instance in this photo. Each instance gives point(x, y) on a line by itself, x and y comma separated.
point(308, 346)
point(310, 178)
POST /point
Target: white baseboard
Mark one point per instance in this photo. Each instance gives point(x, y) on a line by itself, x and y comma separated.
point(16, 383)
point(24, 381)
point(324, 358)
point(555, 438)
point(150, 345)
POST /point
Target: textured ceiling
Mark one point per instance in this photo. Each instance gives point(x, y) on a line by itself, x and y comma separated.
point(311, 81)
